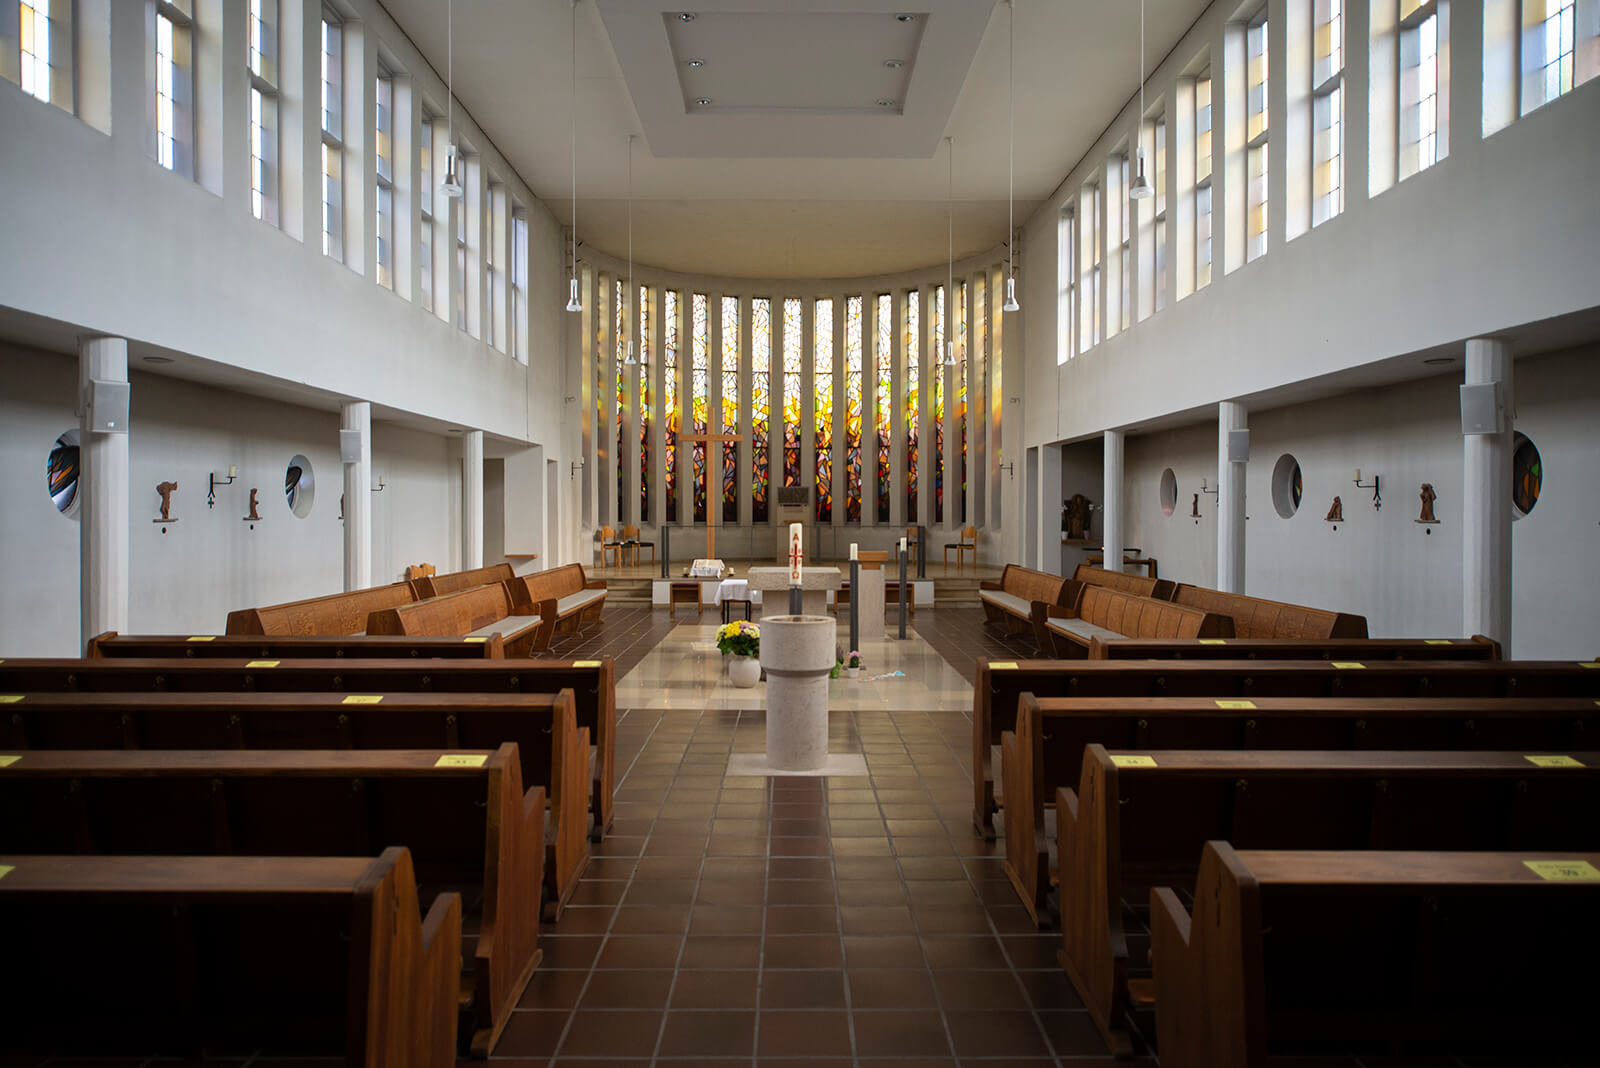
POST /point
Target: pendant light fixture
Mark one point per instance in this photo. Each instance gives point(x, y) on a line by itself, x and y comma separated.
point(1141, 188)
point(574, 302)
point(633, 319)
point(451, 186)
point(950, 262)
point(1011, 304)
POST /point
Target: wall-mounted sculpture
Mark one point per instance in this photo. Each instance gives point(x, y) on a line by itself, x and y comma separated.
point(255, 514)
point(1336, 513)
point(166, 489)
point(1428, 497)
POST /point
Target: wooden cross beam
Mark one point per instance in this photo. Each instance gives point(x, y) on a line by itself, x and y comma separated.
point(711, 530)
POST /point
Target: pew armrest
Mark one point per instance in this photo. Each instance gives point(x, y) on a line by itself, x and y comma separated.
point(438, 981)
point(594, 584)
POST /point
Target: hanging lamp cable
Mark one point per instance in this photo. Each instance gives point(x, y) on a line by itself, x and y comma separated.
point(574, 302)
point(1011, 304)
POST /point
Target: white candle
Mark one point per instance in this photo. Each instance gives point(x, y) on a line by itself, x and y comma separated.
point(1358, 474)
point(1202, 483)
point(852, 550)
point(794, 554)
point(230, 470)
point(902, 545)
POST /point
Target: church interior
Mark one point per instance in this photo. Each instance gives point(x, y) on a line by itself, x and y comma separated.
point(779, 533)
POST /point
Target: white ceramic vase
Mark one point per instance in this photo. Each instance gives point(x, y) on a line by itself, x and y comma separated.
point(744, 671)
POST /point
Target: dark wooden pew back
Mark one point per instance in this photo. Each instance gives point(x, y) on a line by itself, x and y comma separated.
point(335, 613)
point(292, 647)
point(438, 585)
point(1476, 647)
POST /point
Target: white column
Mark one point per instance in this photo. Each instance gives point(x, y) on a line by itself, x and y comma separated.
point(897, 413)
point(472, 499)
point(606, 431)
point(841, 477)
point(1111, 506)
point(869, 409)
point(357, 416)
point(103, 493)
point(1049, 511)
point(1486, 502)
point(658, 411)
point(631, 456)
point(1231, 415)
point(747, 446)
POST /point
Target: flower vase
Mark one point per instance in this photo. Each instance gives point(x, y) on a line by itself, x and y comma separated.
point(744, 671)
point(853, 673)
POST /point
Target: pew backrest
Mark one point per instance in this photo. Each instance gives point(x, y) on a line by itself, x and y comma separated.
point(438, 585)
point(1148, 617)
point(339, 613)
point(458, 613)
point(1254, 617)
point(1030, 585)
point(1123, 582)
point(1476, 647)
point(278, 647)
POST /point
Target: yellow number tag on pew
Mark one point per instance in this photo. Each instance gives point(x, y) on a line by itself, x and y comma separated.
point(204, 638)
point(472, 641)
point(1002, 665)
point(1553, 762)
point(1437, 641)
point(7, 869)
point(586, 663)
point(263, 663)
point(7, 761)
point(1213, 641)
point(1589, 663)
point(10, 698)
point(461, 760)
point(1123, 760)
point(1240, 705)
point(1348, 664)
point(1564, 871)
point(363, 699)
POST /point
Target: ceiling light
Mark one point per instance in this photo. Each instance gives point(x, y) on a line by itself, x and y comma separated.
point(885, 102)
point(905, 17)
point(695, 63)
point(574, 301)
point(1011, 304)
point(686, 16)
point(702, 101)
point(451, 186)
point(1141, 189)
point(894, 64)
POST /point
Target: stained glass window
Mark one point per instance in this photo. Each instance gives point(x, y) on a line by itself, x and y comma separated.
point(822, 391)
point(669, 358)
point(884, 400)
point(937, 369)
point(619, 314)
point(700, 368)
point(913, 398)
point(760, 404)
point(645, 339)
point(793, 368)
point(730, 408)
point(854, 394)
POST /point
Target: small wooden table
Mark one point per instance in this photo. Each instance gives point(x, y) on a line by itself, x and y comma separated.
point(684, 593)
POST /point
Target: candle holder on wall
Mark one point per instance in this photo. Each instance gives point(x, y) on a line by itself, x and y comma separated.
point(218, 480)
point(1377, 495)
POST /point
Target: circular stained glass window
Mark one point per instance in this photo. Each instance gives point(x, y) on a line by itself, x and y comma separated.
point(62, 472)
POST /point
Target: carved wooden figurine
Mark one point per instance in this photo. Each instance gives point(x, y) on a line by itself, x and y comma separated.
point(1194, 512)
point(254, 515)
point(1336, 513)
point(1076, 512)
point(1428, 497)
point(166, 490)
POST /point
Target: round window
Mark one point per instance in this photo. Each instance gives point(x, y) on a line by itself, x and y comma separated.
point(1527, 476)
point(1169, 492)
point(61, 474)
point(299, 487)
point(1286, 486)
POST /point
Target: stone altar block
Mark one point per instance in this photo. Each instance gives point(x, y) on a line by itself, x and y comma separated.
point(871, 594)
point(815, 582)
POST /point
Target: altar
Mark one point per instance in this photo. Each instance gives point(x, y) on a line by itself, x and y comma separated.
point(815, 585)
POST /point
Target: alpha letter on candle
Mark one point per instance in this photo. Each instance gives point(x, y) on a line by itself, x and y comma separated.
point(795, 554)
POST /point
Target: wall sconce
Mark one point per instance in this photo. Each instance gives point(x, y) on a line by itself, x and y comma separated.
point(211, 492)
point(1377, 496)
point(379, 487)
point(575, 466)
point(1009, 469)
point(1213, 492)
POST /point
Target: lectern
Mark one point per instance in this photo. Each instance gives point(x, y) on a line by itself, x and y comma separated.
point(792, 504)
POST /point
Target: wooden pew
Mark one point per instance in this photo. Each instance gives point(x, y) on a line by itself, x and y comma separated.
point(1000, 683)
point(427, 586)
point(593, 683)
point(1105, 614)
point(476, 612)
point(1469, 953)
point(285, 646)
point(335, 613)
point(1046, 750)
point(1140, 820)
point(1256, 617)
point(464, 817)
point(323, 955)
point(1476, 647)
point(1010, 601)
point(564, 594)
point(553, 750)
point(1122, 581)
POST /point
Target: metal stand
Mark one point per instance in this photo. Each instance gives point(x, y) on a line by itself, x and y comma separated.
point(903, 591)
point(797, 605)
point(922, 552)
point(855, 605)
point(666, 548)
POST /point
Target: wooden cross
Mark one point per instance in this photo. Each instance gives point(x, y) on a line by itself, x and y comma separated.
point(711, 530)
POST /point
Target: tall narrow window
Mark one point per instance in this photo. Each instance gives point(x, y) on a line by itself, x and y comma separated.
point(1548, 40)
point(793, 371)
point(854, 392)
point(425, 204)
point(264, 110)
point(494, 331)
point(760, 408)
point(1158, 133)
point(1067, 277)
point(1092, 248)
point(175, 86)
point(458, 295)
point(519, 283)
point(1124, 259)
point(1327, 112)
point(332, 136)
point(700, 383)
point(730, 408)
point(646, 400)
point(822, 392)
point(884, 396)
point(45, 36)
point(1257, 159)
point(1419, 86)
point(1202, 180)
point(383, 160)
point(937, 368)
point(913, 399)
point(670, 412)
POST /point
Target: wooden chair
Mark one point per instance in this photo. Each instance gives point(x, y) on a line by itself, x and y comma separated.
point(416, 571)
point(609, 540)
point(967, 544)
point(632, 538)
point(913, 547)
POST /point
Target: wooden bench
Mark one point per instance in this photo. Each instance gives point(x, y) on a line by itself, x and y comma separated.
point(592, 682)
point(1103, 614)
point(322, 955)
point(552, 749)
point(1469, 953)
point(1000, 683)
point(1254, 617)
point(1046, 750)
point(438, 585)
point(1010, 601)
point(274, 647)
point(1140, 820)
point(563, 594)
point(475, 612)
point(1476, 647)
point(464, 817)
point(337, 613)
point(1139, 585)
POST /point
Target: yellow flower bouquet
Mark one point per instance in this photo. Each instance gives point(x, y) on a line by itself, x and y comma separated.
point(739, 638)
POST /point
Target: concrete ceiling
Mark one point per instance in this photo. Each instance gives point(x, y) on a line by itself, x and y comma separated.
point(793, 170)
